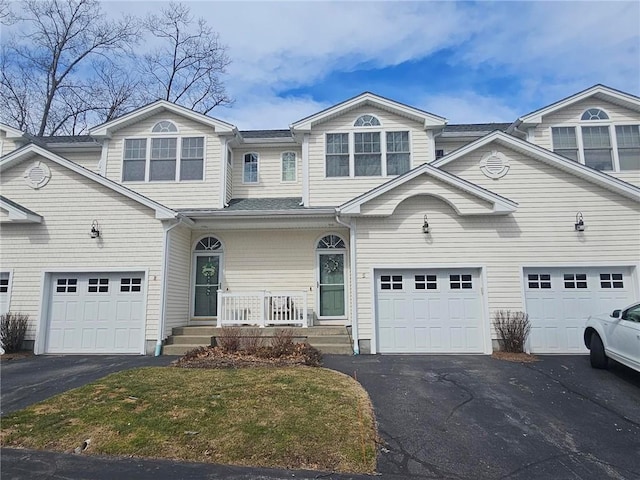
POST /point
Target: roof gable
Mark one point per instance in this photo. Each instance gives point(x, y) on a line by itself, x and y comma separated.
point(547, 156)
point(500, 205)
point(427, 119)
point(107, 129)
point(10, 131)
point(31, 150)
point(17, 213)
point(600, 92)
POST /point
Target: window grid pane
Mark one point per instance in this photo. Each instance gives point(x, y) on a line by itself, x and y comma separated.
point(367, 158)
point(163, 159)
point(597, 148)
point(289, 167)
point(250, 171)
point(398, 153)
point(628, 137)
point(135, 159)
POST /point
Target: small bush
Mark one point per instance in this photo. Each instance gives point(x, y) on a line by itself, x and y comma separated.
point(229, 339)
point(13, 328)
point(252, 342)
point(311, 355)
point(282, 342)
point(513, 329)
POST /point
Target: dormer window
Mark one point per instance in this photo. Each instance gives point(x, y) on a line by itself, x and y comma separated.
point(250, 168)
point(164, 126)
point(164, 156)
point(595, 141)
point(366, 121)
point(594, 114)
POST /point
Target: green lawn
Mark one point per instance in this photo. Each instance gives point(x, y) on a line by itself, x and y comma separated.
point(274, 417)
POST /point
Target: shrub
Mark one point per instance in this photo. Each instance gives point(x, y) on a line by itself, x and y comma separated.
point(229, 339)
point(282, 342)
point(252, 342)
point(13, 328)
point(311, 355)
point(513, 328)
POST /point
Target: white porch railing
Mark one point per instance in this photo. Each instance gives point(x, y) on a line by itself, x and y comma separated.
point(262, 308)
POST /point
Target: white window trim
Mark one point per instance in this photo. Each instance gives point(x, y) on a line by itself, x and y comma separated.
point(368, 126)
point(352, 153)
point(577, 126)
point(257, 182)
point(177, 132)
point(147, 165)
point(295, 167)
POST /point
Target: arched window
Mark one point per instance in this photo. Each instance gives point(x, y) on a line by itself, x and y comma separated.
point(594, 114)
point(331, 241)
point(209, 243)
point(164, 126)
point(366, 121)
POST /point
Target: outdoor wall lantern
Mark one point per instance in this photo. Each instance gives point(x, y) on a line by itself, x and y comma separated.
point(579, 222)
point(95, 229)
point(425, 225)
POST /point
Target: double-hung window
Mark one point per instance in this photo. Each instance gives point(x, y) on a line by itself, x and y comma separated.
point(250, 168)
point(368, 151)
point(597, 143)
point(135, 160)
point(367, 154)
point(337, 158)
point(628, 137)
point(289, 167)
point(164, 156)
point(398, 153)
point(163, 159)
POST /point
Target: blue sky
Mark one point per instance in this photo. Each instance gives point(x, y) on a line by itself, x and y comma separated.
point(466, 61)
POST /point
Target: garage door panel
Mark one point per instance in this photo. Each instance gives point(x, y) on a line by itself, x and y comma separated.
point(435, 311)
point(89, 314)
point(559, 305)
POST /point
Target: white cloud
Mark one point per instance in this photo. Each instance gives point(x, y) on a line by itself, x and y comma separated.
point(549, 49)
point(469, 107)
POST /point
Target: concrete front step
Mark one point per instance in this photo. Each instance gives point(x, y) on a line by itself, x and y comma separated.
point(266, 331)
point(190, 340)
point(179, 349)
point(335, 349)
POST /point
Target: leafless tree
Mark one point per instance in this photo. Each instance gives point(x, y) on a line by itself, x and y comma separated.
point(46, 77)
point(187, 67)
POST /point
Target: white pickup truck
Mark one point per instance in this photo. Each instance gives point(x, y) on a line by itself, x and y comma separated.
point(615, 336)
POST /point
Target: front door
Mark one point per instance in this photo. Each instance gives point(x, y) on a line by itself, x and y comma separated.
point(331, 284)
point(206, 285)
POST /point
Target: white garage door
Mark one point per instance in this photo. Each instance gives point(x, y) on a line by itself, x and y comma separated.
point(429, 311)
point(96, 313)
point(559, 300)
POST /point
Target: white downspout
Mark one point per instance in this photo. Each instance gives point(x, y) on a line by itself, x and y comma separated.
point(163, 290)
point(354, 281)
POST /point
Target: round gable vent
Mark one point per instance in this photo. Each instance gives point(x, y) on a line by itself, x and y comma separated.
point(494, 164)
point(37, 175)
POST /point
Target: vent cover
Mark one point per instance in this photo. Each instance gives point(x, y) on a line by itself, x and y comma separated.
point(494, 165)
point(37, 175)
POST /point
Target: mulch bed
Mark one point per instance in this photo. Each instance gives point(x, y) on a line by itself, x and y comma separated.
point(515, 357)
point(16, 355)
point(215, 357)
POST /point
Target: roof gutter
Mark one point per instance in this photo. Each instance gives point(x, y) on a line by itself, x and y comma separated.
point(354, 279)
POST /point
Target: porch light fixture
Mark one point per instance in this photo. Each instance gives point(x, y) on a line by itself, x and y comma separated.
point(95, 229)
point(425, 225)
point(579, 222)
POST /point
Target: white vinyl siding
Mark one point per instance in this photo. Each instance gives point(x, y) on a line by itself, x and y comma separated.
point(178, 279)
point(131, 237)
point(187, 194)
point(540, 232)
point(286, 261)
point(271, 184)
point(329, 185)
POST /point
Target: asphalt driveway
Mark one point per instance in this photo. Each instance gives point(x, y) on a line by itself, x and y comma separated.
point(439, 417)
point(30, 380)
point(475, 417)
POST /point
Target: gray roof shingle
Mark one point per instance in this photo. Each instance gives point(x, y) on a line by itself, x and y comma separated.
point(476, 127)
point(282, 203)
point(266, 134)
